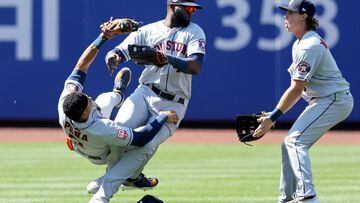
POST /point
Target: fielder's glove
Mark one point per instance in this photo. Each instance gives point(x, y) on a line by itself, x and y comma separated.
point(145, 55)
point(246, 125)
point(119, 26)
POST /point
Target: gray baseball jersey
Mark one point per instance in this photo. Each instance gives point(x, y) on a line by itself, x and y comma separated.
point(180, 41)
point(330, 102)
point(92, 139)
point(313, 63)
point(144, 103)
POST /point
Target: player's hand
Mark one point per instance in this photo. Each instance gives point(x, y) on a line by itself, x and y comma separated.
point(172, 116)
point(265, 125)
point(112, 61)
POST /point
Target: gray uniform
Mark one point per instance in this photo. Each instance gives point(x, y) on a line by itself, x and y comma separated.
point(93, 139)
point(330, 102)
point(148, 99)
point(181, 42)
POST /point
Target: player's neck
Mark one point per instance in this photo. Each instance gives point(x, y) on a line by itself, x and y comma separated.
point(171, 22)
point(299, 34)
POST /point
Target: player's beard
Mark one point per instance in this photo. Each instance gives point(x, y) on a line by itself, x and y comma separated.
point(181, 19)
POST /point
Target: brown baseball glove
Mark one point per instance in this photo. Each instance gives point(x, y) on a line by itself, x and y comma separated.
point(119, 26)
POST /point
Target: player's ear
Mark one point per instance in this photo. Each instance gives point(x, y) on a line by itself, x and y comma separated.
point(304, 16)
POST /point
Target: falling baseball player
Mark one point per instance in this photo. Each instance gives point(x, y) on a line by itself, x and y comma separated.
point(172, 51)
point(86, 123)
point(316, 77)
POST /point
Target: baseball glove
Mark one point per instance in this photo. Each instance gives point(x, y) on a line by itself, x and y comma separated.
point(246, 125)
point(145, 55)
point(119, 26)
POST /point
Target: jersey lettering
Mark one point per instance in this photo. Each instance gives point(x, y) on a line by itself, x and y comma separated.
point(172, 46)
point(75, 134)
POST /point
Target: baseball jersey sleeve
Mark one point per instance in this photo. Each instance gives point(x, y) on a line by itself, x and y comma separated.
point(110, 133)
point(197, 42)
point(305, 64)
point(133, 38)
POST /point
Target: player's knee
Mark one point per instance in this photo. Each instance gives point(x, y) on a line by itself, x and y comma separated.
point(289, 142)
point(151, 148)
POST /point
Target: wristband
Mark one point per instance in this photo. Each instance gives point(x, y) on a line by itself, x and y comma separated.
point(178, 63)
point(275, 114)
point(99, 41)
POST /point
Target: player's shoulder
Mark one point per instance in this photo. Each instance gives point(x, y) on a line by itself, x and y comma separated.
point(195, 29)
point(194, 26)
point(311, 40)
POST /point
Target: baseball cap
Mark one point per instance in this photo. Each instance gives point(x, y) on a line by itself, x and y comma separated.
point(301, 6)
point(184, 3)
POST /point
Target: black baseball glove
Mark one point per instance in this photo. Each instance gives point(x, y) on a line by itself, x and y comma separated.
point(246, 125)
point(145, 55)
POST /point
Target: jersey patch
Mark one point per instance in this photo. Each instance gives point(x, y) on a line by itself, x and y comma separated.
point(303, 68)
point(122, 134)
point(72, 87)
point(202, 44)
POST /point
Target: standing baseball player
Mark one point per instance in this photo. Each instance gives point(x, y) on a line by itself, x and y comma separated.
point(316, 77)
point(90, 131)
point(180, 45)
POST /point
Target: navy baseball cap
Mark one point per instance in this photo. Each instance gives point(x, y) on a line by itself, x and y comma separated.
point(301, 6)
point(184, 3)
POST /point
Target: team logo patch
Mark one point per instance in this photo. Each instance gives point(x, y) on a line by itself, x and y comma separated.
point(122, 134)
point(72, 87)
point(202, 44)
point(303, 68)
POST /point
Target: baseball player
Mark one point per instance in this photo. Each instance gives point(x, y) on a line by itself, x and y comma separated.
point(316, 77)
point(90, 131)
point(167, 87)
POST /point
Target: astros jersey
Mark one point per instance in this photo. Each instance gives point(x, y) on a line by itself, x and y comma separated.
point(92, 139)
point(180, 42)
point(313, 63)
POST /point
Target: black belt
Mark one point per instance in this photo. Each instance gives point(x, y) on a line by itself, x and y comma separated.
point(165, 95)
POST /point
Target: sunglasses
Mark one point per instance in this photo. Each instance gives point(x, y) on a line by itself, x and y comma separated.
point(190, 9)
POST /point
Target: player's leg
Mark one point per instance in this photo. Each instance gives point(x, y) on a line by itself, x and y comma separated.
point(134, 112)
point(321, 115)
point(150, 149)
point(156, 104)
point(287, 177)
point(120, 172)
point(107, 101)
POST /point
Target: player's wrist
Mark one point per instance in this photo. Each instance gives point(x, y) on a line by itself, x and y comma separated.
point(162, 118)
point(99, 41)
point(275, 114)
point(178, 63)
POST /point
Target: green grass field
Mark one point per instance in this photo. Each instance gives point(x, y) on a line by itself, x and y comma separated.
point(187, 172)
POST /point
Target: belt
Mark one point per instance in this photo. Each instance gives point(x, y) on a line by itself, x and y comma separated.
point(165, 95)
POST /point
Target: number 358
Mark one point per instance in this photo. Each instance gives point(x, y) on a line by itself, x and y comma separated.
point(243, 36)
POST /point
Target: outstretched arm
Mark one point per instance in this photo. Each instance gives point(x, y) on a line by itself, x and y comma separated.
point(288, 99)
point(86, 59)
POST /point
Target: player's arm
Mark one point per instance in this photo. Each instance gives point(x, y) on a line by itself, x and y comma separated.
point(86, 59)
point(120, 53)
point(290, 96)
point(190, 65)
point(112, 133)
point(288, 99)
point(146, 134)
